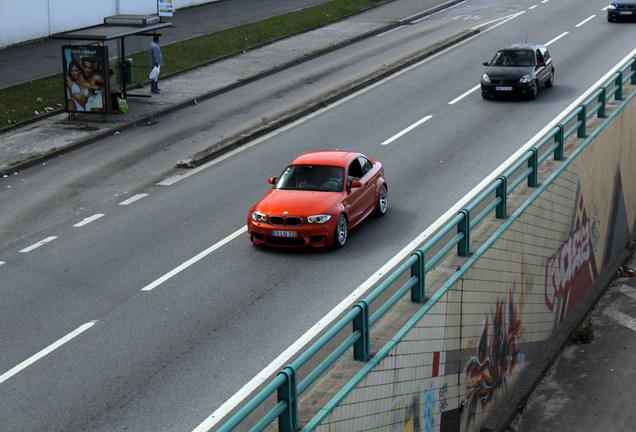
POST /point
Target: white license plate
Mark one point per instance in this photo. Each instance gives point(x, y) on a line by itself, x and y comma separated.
point(279, 233)
point(503, 88)
point(625, 12)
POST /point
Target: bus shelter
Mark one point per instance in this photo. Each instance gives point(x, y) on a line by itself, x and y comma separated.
point(94, 64)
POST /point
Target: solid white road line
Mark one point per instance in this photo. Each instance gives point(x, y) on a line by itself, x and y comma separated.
point(88, 220)
point(193, 260)
point(407, 130)
point(5, 376)
point(133, 199)
point(278, 363)
point(38, 244)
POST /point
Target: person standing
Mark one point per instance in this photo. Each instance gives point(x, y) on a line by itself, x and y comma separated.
point(155, 60)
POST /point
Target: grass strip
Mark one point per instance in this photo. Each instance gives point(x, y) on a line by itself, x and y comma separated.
point(32, 99)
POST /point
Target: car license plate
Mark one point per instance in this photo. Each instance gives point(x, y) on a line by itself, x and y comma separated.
point(625, 12)
point(503, 88)
point(279, 233)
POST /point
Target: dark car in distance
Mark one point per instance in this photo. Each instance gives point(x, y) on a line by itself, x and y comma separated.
point(621, 10)
point(518, 69)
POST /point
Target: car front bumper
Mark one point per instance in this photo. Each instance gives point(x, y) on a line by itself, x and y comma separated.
point(292, 236)
point(617, 14)
point(505, 89)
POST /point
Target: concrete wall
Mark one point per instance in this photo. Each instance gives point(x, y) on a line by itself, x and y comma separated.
point(456, 364)
point(27, 20)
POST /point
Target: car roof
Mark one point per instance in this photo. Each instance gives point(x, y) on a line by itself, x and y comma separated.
point(326, 157)
point(522, 46)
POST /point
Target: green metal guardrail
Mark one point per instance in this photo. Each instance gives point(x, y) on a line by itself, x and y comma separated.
point(285, 384)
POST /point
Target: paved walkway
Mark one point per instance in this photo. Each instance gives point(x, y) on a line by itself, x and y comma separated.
point(589, 387)
point(51, 136)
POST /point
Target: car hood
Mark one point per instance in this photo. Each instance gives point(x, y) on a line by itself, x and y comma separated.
point(508, 72)
point(298, 203)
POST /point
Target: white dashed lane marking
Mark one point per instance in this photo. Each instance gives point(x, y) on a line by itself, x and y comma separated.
point(132, 199)
point(89, 220)
point(38, 244)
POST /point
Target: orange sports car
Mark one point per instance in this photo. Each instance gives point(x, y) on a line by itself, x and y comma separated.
point(317, 199)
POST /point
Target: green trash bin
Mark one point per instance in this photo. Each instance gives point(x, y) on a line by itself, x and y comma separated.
point(128, 70)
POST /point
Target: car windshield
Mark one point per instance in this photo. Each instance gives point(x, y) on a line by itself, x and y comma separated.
point(513, 58)
point(325, 178)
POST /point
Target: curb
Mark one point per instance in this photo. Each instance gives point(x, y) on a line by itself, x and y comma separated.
point(247, 135)
point(251, 134)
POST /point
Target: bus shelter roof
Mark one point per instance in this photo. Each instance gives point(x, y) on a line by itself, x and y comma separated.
point(105, 32)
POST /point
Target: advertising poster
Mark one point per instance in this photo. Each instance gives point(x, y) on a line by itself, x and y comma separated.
point(164, 7)
point(85, 78)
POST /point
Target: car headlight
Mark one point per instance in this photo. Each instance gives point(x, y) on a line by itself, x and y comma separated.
point(612, 6)
point(525, 79)
point(318, 219)
point(485, 78)
point(258, 216)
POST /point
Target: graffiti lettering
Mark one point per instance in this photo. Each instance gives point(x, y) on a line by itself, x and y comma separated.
point(564, 265)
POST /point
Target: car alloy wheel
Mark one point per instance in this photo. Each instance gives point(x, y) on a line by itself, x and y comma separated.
point(383, 201)
point(340, 236)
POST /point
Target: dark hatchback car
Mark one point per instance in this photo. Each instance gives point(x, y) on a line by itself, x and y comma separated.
point(621, 10)
point(518, 69)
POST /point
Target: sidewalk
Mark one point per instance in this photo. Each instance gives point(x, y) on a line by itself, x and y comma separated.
point(590, 386)
point(49, 137)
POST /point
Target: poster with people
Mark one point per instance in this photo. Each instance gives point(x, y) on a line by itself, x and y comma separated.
point(86, 82)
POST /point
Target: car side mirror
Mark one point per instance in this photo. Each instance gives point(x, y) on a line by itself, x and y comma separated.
point(486, 63)
point(355, 184)
point(272, 180)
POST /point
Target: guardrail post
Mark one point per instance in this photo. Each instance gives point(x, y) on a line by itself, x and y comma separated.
point(362, 347)
point(558, 138)
point(619, 85)
point(463, 227)
point(602, 99)
point(634, 71)
point(581, 132)
point(288, 419)
point(418, 292)
point(501, 212)
point(533, 164)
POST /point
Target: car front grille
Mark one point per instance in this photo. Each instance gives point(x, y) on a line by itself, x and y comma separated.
point(285, 220)
point(503, 82)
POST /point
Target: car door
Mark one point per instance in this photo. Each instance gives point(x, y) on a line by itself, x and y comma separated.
point(357, 200)
point(543, 71)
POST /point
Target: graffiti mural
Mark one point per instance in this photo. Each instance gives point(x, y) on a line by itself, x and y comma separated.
point(413, 412)
point(566, 264)
point(497, 355)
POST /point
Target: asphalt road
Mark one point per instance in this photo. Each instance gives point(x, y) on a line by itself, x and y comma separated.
point(155, 353)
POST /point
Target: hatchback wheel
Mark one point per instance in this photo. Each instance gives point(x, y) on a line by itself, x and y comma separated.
point(550, 82)
point(340, 236)
point(383, 201)
point(534, 91)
